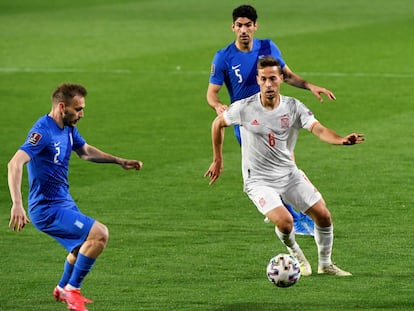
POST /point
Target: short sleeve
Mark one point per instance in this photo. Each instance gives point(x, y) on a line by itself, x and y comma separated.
point(276, 53)
point(78, 140)
point(217, 69)
point(232, 114)
point(306, 117)
point(37, 139)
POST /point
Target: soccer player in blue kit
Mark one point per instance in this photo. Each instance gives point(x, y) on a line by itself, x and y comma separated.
point(235, 66)
point(51, 208)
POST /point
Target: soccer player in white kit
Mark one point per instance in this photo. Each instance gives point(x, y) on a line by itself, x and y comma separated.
point(269, 124)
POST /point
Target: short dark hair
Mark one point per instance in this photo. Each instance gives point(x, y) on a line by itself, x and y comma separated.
point(268, 61)
point(245, 11)
point(65, 92)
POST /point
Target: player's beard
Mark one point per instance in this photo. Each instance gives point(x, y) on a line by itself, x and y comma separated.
point(69, 119)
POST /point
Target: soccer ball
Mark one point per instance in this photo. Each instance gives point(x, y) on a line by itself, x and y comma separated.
point(283, 270)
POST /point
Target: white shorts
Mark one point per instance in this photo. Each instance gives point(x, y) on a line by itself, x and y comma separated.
point(298, 191)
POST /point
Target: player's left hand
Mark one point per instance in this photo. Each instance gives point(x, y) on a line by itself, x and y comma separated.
point(353, 139)
point(131, 164)
point(220, 109)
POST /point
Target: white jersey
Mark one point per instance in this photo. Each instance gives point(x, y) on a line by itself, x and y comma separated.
point(268, 136)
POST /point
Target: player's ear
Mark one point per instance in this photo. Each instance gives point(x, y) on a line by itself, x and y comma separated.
point(61, 107)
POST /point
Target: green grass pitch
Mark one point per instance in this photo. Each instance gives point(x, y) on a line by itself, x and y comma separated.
point(175, 242)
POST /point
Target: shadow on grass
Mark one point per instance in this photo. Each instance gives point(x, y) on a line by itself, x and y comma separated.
point(333, 305)
point(255, 307)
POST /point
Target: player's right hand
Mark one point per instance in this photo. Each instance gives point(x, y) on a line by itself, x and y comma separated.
point(18, 218)
point(214, 171)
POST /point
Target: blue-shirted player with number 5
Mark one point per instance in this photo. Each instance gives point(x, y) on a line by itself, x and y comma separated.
point(235, 66)
point(52, 210)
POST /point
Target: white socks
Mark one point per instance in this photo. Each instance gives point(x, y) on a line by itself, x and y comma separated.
point(288, 239)
point(324, 241)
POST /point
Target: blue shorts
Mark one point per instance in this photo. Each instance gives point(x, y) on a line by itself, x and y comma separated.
point(62, 221)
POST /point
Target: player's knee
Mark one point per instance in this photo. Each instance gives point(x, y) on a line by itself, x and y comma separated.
point(285, 224)
point(320, 214)
point(323, 218)
point(100, 233)
point(285, 228)
point(282, 219)
point(105, 235)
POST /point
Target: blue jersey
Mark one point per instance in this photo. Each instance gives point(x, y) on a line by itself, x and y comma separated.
point(237, 69)
point(50, 148)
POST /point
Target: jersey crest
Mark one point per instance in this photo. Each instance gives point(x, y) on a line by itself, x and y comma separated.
point(262, 202)
point(284, 123)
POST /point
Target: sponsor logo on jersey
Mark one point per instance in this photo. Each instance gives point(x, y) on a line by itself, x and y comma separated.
point(34, 138)
point(255, 122)
point(310, 113)
point(235, 67)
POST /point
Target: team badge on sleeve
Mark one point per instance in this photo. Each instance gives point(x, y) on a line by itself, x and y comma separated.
point(212, 69)
point(34, 138)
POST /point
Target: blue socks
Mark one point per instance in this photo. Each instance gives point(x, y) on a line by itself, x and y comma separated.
point(81, 268)
point(67, 272)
